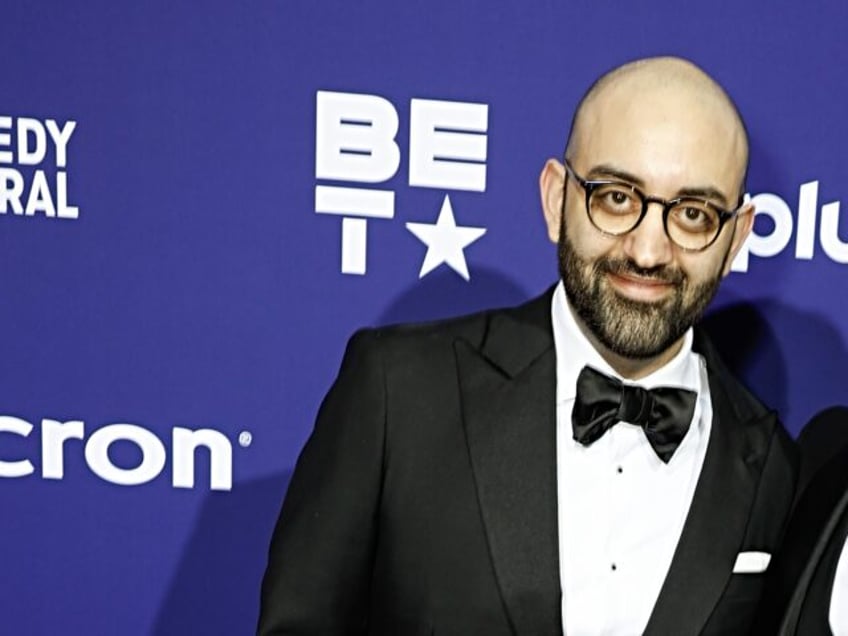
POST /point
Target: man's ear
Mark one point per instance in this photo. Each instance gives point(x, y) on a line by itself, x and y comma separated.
point(742, 225)
point(551, 189)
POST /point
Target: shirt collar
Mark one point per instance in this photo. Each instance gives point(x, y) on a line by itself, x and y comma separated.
point(574, 351)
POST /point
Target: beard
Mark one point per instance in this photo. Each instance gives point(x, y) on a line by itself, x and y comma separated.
point(630, 328)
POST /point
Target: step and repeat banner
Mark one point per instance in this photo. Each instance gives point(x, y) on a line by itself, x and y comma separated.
point(200, 202)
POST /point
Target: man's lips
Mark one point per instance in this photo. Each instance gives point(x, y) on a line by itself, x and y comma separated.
point(639, 287)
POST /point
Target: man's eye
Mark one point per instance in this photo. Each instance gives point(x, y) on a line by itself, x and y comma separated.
point(617, 198)
point(694, 218)
point(693, 214)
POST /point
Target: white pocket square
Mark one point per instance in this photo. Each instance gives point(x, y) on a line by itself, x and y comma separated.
point(751, 562)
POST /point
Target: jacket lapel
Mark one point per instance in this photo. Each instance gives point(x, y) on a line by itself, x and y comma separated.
point(815, 608)
point(815, 522)
point(508, 392)
point(715, 526)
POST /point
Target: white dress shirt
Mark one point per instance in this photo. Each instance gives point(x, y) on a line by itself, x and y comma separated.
point(621, 509)
point(838, 616)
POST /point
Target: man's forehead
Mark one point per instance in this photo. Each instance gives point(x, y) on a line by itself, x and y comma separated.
point(645, 93)
point(623, 113)
point(671, 136)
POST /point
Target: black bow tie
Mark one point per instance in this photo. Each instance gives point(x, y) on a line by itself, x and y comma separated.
point(664, 412)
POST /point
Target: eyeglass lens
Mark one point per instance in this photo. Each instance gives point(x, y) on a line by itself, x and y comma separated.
point(617, 208)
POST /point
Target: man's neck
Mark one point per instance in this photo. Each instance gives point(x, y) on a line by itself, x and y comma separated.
point(630, 368)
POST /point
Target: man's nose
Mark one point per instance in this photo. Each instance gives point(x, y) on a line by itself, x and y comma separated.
point(648, 245)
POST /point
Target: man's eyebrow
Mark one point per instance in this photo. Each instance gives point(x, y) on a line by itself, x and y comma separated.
point(606, 171)
point(709, 193)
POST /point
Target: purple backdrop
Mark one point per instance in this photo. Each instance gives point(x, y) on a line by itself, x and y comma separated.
point(166, 271)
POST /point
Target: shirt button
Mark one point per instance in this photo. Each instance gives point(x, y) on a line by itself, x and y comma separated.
point(613, 567)
point(619, 470)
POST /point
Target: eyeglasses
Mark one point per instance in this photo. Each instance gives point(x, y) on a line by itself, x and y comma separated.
point(616, 208)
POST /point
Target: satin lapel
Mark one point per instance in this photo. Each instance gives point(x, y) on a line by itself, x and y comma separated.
point(715, 526)
point(508, 392)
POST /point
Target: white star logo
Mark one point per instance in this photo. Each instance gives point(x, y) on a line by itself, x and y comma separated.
point(445, 241)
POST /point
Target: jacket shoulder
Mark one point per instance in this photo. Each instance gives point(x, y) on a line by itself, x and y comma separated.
point(431, 337)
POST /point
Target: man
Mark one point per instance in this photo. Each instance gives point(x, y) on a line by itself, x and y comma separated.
point(807, 589)
point(461, 478)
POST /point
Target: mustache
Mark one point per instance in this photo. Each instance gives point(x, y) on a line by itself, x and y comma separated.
point(660, 273)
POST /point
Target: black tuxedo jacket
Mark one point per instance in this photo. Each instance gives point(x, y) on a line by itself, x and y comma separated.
point(799, 588)
point(425, 501)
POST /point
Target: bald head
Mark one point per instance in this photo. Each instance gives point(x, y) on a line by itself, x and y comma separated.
point(656, 154)
point(668, 88)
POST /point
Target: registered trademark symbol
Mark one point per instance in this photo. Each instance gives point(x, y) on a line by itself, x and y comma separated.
point(245, 439)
